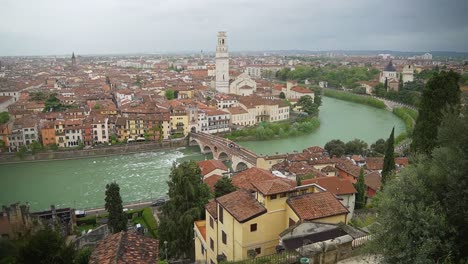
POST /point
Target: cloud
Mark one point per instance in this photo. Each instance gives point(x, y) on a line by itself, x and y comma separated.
point(121, 26)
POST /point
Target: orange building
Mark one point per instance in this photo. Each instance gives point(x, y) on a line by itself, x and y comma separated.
point(48, 133)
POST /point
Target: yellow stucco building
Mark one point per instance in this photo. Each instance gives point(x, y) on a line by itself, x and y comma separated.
point(244, 224)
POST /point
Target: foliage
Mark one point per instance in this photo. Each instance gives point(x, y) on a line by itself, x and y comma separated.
point(53, 104)
point(409, 93)
point(356, 146)
point(45, 246)
point(37, 96)
point(308, 105)
point(188, 196)
point(378, 148)
point(4, 117)
point(82, 256)
point(441, 91)
point(423, 212)
point(35, 147)
point(224, 186)
point(117, 218)
point(389, 158)
point(150, 222)
point(361, 190)
point(282, 95)
point(269, 130)
point(169, 94)
point(53, 146)
point(361, 222)
point(354, 98)
point(22, 152)
point(335, 147)
point(409, 117)
point(336, 76)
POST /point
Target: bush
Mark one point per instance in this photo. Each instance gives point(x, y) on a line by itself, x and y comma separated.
point(150, 222)
point(354, 98)
point(87, 220)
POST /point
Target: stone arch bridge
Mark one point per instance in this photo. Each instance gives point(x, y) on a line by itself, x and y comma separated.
point(224, 149)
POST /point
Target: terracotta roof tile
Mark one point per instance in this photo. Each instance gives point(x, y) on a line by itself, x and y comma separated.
point(211, 208)
point(241, 205)
point(373, 180)
point(313, 206)
point(374, 163)
point(334, 185)
point(208, 166)
point(212, 180)
point(125, 247)
point(244, 179)
point(275, 186)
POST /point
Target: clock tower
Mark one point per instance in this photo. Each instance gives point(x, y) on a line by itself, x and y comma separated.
point(222, 63)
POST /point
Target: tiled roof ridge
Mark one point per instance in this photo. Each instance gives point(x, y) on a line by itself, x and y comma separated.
point(119, 247)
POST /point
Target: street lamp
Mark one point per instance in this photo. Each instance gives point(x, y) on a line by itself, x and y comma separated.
point(165, 248)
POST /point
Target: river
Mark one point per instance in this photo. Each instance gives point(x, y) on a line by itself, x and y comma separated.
point(81, 183)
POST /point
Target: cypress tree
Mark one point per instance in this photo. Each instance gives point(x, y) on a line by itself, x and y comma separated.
point(117, 219)
point(361, 190)
point(389, 159)
point(441, 91)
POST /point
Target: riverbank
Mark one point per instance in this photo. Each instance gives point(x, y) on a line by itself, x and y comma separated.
point(279, 130)
point(367, 100)
point(12, 158)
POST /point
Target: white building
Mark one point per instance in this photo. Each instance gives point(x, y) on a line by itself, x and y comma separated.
point(389, 73)
point(408, 73)
point(218, 121)
point(222, 64)
point(100, 127)
point(243, 85)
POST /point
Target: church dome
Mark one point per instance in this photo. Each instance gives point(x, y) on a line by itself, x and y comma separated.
point(390, 67)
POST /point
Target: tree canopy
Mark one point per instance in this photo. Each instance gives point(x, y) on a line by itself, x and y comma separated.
point(308, 105)
point(356, 146)
point(224, 186)
point(335, 147)
point(389, 158)
point(54, 104)
point(117, 218)
point(188, 196)
point(423, 211)
point(361, 190)
point(441, 91)
point(169, 94)
point(4, 117)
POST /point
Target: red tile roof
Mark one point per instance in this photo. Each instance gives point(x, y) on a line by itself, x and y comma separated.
point(125, 247)
point(333, 184)
point(374, 163)
point(241, 205)
point(373, 180)
point(314, 206)
point(212, 180)
point(244, 179)
point(211, 208)
point(208, 166)
point(275, 186)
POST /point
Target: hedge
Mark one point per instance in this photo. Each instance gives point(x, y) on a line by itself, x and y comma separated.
point(354, 98)
point(150, 222)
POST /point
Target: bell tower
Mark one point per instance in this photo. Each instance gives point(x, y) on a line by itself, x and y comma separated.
point(222, 63)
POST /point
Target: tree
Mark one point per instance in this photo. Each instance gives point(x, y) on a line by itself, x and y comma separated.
point(22, 152)
point(82, 257)
point(389, 158)
point(117, 219)
point(224, 186)
point(35, 147)
point(423, 212)
point(4, 117)
point(335, 147)
point(317, 98)
point(169, 94)
point(282, 95)
point(361, 190)
point(386, 84)
point(378, 148)
point(400, 83)
point(53, 104)
point(188, 196)
point(442, 91)
point(356, 146)
point(46, 246)
point(307, 105)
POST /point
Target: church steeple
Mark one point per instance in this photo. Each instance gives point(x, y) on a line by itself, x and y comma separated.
point(73, 59)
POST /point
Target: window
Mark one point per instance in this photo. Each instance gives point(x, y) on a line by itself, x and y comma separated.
point(283, 195)
point(273, 197)
point(202, 249)
point(258, 251)
point(253, 227)
point(221, 214)
point(211, 222)
point(291, 222)
point(211, 244)
point(223, 237)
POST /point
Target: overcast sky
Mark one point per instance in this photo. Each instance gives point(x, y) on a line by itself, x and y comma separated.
point(47, 27)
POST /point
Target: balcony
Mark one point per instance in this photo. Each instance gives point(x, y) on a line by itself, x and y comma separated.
point(200, 229)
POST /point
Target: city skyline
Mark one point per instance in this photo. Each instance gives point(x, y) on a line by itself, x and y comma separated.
point(120, 27)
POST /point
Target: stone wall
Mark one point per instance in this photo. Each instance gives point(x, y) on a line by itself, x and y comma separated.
point(94, 152)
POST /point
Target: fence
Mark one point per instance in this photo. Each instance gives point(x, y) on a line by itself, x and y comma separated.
point(357, 242)
point(285, 257)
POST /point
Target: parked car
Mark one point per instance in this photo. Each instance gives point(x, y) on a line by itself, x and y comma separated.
point(159, 202)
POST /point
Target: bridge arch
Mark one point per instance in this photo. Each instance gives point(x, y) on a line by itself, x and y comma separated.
point(206, 149)
point(223, 156)
point(241, 166)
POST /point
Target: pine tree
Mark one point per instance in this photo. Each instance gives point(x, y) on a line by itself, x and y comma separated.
point(389, 159)
point(224, 186)
point(188, 197)
point(441, 91)
point(117, 220)
point(361, 190)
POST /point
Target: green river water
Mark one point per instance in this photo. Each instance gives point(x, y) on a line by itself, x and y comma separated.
point(81, 183)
